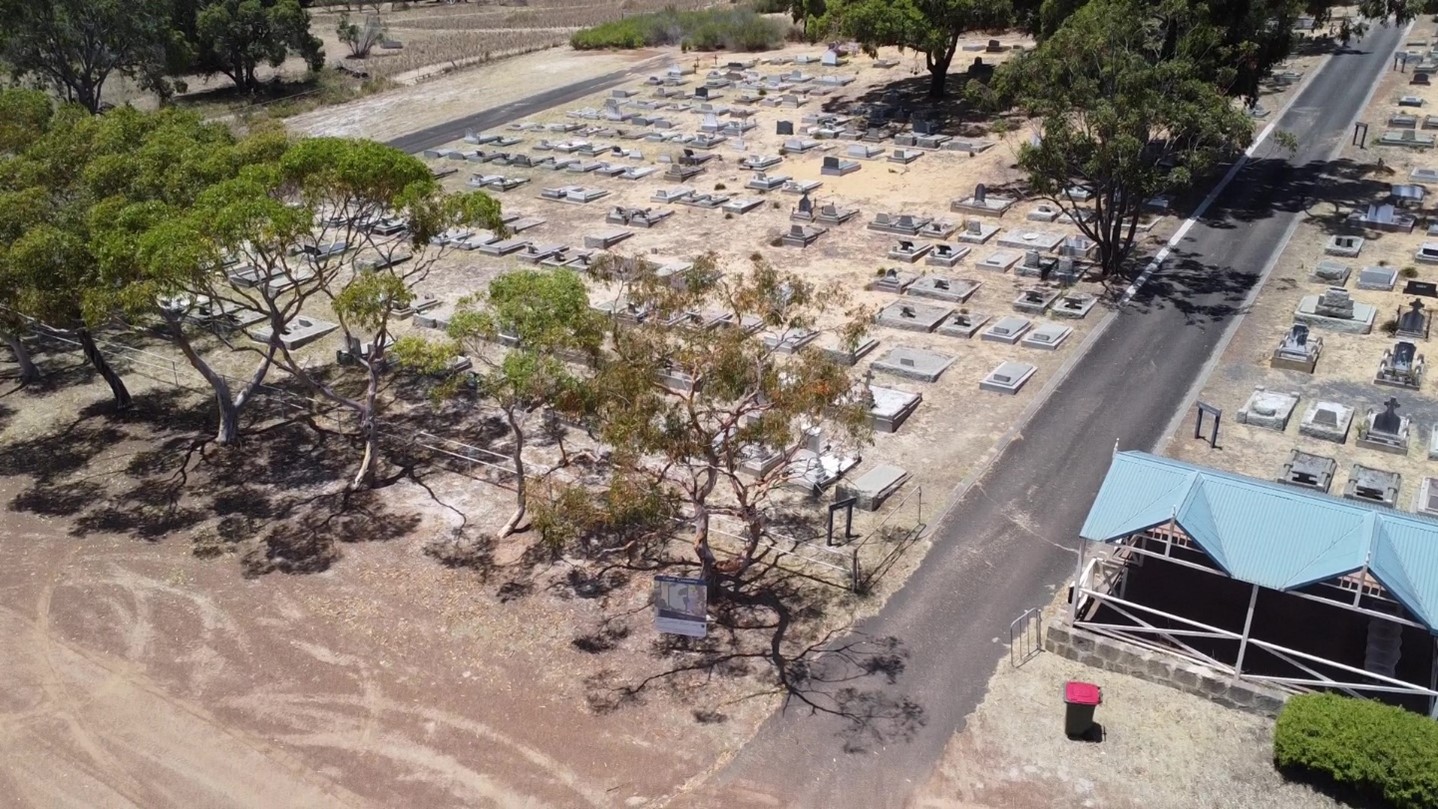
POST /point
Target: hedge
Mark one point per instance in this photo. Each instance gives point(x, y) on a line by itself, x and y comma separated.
point(1375, 750)
point(710, 30)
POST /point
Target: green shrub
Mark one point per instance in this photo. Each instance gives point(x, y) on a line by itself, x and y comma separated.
point(734, 29)
point(1373, 749)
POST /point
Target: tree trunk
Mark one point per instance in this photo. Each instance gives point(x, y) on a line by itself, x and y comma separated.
point(701, 543)
point(754, 525)
point(938, 77)
point(521, 488)
point(364, 476)
point(29, 374)
point(92, 353)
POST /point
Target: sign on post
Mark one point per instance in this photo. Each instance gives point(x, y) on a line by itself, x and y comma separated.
point(681, 606)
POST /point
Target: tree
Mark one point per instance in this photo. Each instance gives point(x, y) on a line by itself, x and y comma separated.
point(1123, 116)
point(715, 412)
point(545, 319)
point(75, 46)
point(361, 39)
point(24, 118)
point(348, 222)
point(931, 27)
point(234, 37)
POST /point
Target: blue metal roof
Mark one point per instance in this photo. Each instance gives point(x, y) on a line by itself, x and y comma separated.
point(1270, 534)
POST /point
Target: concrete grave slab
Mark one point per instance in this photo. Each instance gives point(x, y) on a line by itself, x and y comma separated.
point(908, 251)
point(741, 205)
point(913, 363)
point(983, 203)
point(1008, 377)
point(606, 238)
point(1007, 330)
point(1336, 312)
point(1380, 279)
point(1045, 241)
point(1327, 421)
point(946, 255)
point(977, 232)
point(1308, 471)
point(872, 488)
point(841, 352)
point(1035, 300)
point(1368, 484)
point(943, 288)
point(789, 340)
point(504, 247)
point(963, 324)
point(912, 316)
point(1047, 336)
point(300, 332)
point(1330, 272)
point(892, 280)
point(1269, 409)
point(1346, 246)
point(999, 260)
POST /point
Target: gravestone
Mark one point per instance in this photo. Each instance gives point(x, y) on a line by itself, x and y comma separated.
point(1007, 330)
point(1047, 337)
point(1330, 272)
point(913, 363)
point(1327, 421)
point(1007, 377)
point(784, 128)
point(1380, 279)
point(912, 316)
point(1269, 409)
point(1420, 79)
point(1335, 302)
point(1308, 470)
point(1386, 431)
point(872, 488)
point(1369, 485)
point(1414, 322)
point(1427, 289)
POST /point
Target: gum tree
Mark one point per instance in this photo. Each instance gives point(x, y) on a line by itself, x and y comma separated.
point(713, 412)
point(930, 27)
point(544, 319)
point(1124, 116)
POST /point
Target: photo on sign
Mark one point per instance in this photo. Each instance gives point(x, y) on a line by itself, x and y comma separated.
point(681, 606)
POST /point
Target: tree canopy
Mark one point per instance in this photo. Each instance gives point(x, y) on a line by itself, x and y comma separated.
point(235, 37)
point(930, 27)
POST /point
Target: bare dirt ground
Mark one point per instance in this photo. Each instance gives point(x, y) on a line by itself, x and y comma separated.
point(1162, 749)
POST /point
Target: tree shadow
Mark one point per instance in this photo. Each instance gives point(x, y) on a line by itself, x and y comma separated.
point(1323, 191)
point(1203, 293)
point(753, 634)
point(907, 98)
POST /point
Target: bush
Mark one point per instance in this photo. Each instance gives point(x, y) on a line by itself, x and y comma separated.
point(1375, 750)
point(734, 29)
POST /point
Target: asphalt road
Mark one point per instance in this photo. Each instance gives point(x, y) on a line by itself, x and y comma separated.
point(1012, 539)
point(490, 118)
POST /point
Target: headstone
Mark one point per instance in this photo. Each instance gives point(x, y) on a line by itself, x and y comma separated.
point(1388, 422)
point(806, 205)
point(1413, 321)
point(1335, 302)
point(831, 162)
point(980, 193)
point(1420, 79)
point(784, 128)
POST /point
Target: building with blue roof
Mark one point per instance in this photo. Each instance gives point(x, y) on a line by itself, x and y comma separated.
point(1269, 582)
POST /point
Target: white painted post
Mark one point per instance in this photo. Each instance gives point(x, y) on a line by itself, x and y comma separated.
point(1078, 582)
point(1433, 683)
point(1247, 625)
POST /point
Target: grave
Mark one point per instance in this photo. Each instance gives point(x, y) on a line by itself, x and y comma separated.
point(817, 465)
point(1074, 305)
point(1308, 470)
point(908, 251)
point(798, 146)
point(1337, 311)
point(708, 201)
point(1047, 336)
point(843, 352)
point(864, 151)
point(1384, 216)
point(741, 205)
point(790, 340)
point(535, 253)
point(977, 232)
point(637, 217)
point(831, 214)
point(1427, 253)
point(901, 224)
point(937, 229)
point(892, 280)
point(983, 203)
point(1402, 120)
point(1401, 367)
point(913, 363)
point(1330, 272)
point(963, 324)
point(1407, 195)
point(1043, 212)
point(784, 128)
point(1369, 485)
point(1427, 500)
point(1032, 240)
point(801, 186)
point(519, 224)
point(1413, 323)
point(946, 255)
point(872, 488)
point(1385, 430)
point(1008, 377)
point(1427, 289)
point(1381, 279)
point(999, 260)
point(1327, 421)
point(1007, 330)
point(760, 162)
point(970, 145)
point(804, 211)
point(1268, 409)
point(1035, 265)
point(1407, 138)
point(622, 309)
point(606, 239)
point(944, 288)
point(1035, 300)
point(834, 167)
point(1077, 247)
point(1298, 350)
point(905, 156)
point(299, 332)
point(765, 182)
point(912, 316)
point(802, 235)
point(1410, 101)
point(504, 247)
point(1347, 246)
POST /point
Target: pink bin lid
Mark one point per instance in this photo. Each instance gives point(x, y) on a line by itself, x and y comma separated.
point(1077, 693)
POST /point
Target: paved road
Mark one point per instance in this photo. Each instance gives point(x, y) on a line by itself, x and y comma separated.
point(1010, 542)
point(490, 118)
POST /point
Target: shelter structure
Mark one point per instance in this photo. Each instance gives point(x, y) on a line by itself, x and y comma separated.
point(1262, 581)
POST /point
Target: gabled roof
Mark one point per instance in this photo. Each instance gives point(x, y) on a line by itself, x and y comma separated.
point(1270, 534)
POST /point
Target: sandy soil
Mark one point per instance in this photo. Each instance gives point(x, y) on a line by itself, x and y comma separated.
point(1348, 362)
point(1162, 749)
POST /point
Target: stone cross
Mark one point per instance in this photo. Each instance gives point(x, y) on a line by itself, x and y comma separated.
point(1388, 421)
